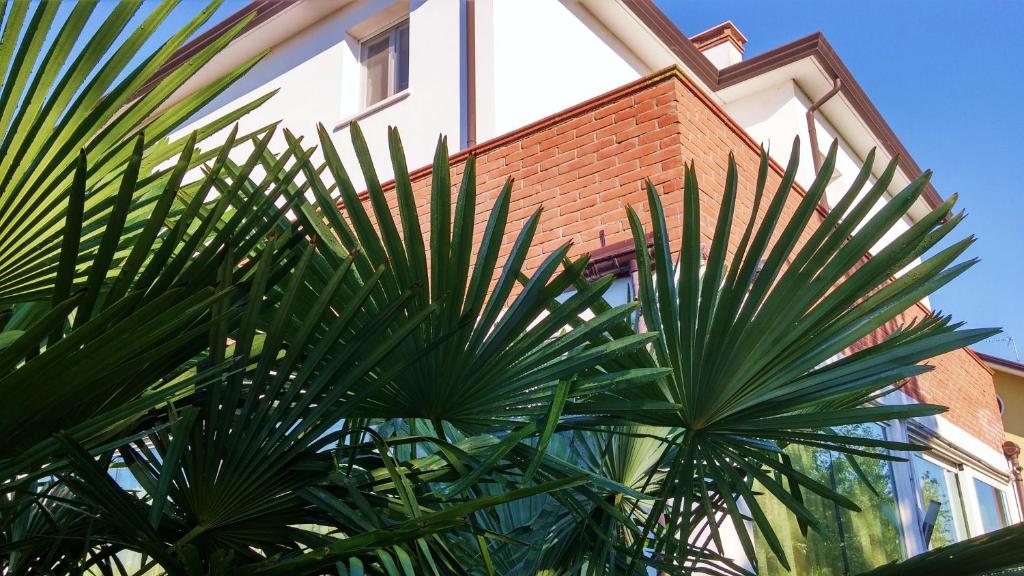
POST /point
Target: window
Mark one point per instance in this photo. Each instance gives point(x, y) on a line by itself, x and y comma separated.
point(941, 508)
point(386, 63)
point(991, 506)
point(850, 542)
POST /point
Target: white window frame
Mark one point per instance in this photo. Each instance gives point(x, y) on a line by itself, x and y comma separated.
point(948, 455)
point(971, 499)
point(957, 497)
point(392, 32)
point(907, 492)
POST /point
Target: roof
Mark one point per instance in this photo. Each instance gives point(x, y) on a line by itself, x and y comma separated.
point(816, 46)
point(813, 46)
point(1002, 364)
point(263, 9)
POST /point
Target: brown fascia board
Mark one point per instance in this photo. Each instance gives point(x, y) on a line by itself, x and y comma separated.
point(997, 362)
point(651, 16)
point(815, 46)
point(666, 31)
point(263, 9)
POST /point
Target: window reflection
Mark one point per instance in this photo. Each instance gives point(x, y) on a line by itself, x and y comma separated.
point(940, 504)
point(992, 505)
point(851, 541)
point(377, 61)
point(385, 59)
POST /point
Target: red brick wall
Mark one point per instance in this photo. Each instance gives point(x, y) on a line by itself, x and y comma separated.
point(586, 164)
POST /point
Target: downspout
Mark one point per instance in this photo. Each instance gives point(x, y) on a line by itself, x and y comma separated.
point(470, 73)
point(1012, 453)
point(812, 131)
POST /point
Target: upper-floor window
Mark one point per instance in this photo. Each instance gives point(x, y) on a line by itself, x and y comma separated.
point(385, 59)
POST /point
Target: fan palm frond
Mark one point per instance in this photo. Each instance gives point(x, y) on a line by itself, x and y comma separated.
point(750, 333)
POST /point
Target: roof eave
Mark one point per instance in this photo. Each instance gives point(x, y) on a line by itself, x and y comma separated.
point(1002, 364)
point(817, 46)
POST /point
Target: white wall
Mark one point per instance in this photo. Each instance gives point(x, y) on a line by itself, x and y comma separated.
point(547, 57)
point(534, 58)
point(723, 55)
point(775, 116)
point(320, 81)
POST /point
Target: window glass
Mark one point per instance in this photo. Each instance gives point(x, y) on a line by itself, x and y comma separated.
point(992, 506)
point(940, 504)
point(402, 58)
point(386, 60)
point(872, 536)
point(851, 541)
point(816, 554)
point(376, 59)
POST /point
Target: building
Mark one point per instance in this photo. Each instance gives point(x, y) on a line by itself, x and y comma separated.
point(580, 101)
point(1009, 382)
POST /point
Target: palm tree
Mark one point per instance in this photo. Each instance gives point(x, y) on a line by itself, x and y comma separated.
point(750, 337)
point(93, 289)
point(203, 371)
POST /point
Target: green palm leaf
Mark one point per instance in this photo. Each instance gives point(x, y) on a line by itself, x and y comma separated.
point(57, 102)
point(492, 354)
point(749, 338)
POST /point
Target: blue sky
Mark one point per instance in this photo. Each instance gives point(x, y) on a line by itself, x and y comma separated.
point(948, 78)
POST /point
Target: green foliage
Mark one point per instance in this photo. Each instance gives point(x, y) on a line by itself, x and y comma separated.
point(207, 368)
point(997, 553)
point(750, 340)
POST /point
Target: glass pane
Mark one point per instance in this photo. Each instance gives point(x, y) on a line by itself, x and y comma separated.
point(376, 60)
point(861, 540)
point(817, 554)
point(872, 536)
point(936, 485)
point(992, 506)
point(402, 58)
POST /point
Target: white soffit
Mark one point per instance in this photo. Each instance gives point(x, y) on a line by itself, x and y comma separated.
point(1005, 369)
point(636, 36)
point(814, 81)
point(277, 29)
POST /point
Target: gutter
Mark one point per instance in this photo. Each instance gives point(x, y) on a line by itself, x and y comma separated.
point(470, 73)
point(260, 10)
point(1012, 453)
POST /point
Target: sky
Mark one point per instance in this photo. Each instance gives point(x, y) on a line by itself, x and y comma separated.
point(949, 78)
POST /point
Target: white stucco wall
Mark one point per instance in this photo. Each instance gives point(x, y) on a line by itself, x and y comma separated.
point(777, 115)
point(319, 78)
point(547, 56)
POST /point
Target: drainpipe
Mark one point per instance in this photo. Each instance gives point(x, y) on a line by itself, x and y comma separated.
point(812, 131)
point(470, 73)
point(1012, 453)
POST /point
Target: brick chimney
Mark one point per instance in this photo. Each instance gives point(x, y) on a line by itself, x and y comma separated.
point(721, 44)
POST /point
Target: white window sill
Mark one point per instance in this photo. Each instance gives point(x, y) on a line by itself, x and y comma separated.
point(373, 109)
